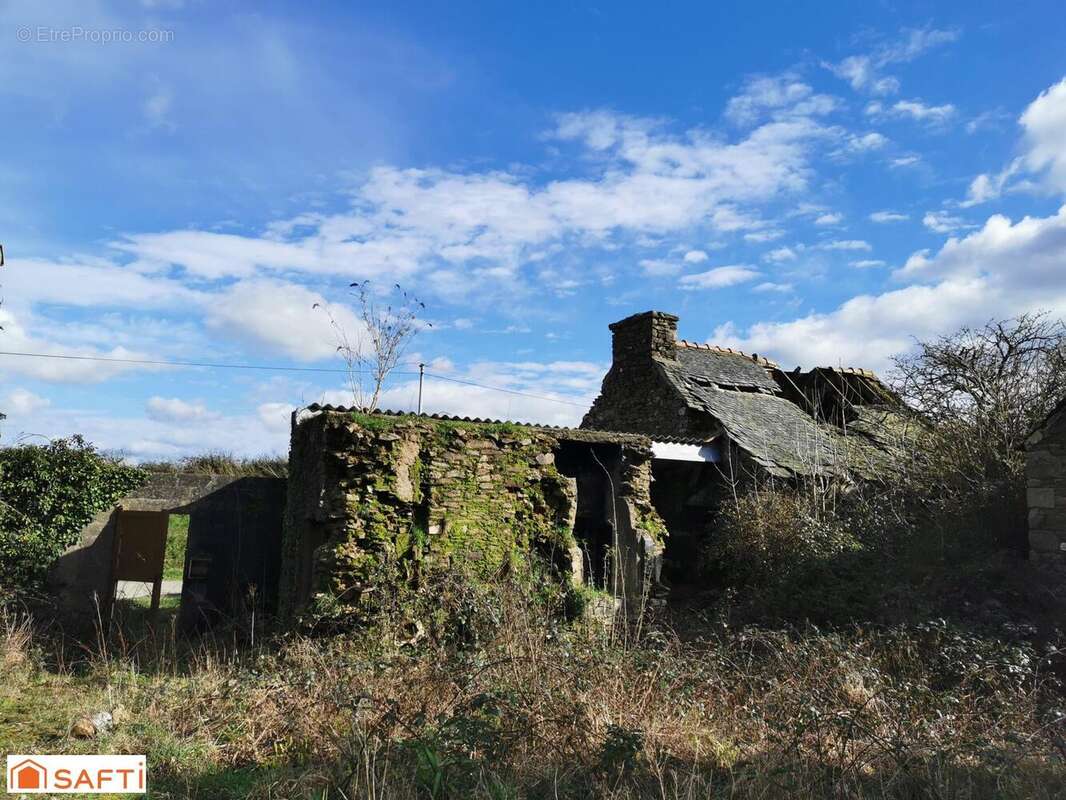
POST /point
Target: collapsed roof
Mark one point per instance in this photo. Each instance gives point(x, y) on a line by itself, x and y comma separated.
point(827, 421)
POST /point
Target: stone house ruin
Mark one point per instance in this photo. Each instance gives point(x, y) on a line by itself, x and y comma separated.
point(1045, 472)
point(384, 496)
point(620, 504)
point(753, 420)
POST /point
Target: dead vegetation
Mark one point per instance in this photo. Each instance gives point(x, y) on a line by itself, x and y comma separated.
point(509, 701)
point(221, 463)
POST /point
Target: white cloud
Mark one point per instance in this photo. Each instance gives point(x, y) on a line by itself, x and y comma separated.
point(719, 277)
point(888, 216)
point(282, 318)
point(90, 282)
point(1044, 150)
point(1044, 122)
point(999, 271)
point(695, 257)
point(905, 161)
point(866, 142)
point(829, 219)
point(866, 330)
point(69, 368)
point(780, 254)
point(770, 286)
point(846, 244)
point(174, 409)
point(406, 222)
point(943, 222)
point(863, 72)
point(867, 263)
point(778, 97)
point(23, 401)
point(1029, 256)
point(656, 267)
point(916, 110)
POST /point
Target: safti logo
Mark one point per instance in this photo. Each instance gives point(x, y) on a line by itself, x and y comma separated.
point(27, 774)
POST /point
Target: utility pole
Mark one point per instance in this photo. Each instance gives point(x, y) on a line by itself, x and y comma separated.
point(421, 374)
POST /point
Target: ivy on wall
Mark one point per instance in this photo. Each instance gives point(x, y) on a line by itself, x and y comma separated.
point(48, 493)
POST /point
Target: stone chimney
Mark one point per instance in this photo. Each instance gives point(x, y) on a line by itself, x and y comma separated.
point(652, 333)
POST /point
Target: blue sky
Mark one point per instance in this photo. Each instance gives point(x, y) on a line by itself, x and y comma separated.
point(816, 182)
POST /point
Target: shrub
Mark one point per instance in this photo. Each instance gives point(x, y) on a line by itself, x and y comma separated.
point(769, 534)
point(47, 495)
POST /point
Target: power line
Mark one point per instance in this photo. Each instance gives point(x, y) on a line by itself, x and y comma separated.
point(158, 363)
point(275, 368)
point(508, 391)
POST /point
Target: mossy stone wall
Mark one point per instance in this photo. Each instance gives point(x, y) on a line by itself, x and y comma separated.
point(377, 499)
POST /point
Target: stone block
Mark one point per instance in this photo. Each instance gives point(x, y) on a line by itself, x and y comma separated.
point(1040, 497)
point(1044, 541)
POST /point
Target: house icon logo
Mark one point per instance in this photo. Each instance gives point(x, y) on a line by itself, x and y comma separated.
point(27, 774)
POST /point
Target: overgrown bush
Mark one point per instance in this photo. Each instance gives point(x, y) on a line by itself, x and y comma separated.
point(47, 495)
point(769, 534)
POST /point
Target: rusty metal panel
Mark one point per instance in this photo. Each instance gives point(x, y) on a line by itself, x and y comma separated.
point(140, 547)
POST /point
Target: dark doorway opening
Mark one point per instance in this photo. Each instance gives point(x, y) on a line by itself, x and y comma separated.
point(687, 495)
point(594, 527)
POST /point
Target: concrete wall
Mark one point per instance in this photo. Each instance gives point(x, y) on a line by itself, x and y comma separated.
point(234, 522)
point(385, 498)
point(1045, 469)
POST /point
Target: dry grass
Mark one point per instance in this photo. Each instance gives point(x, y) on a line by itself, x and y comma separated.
point(220, 463)
point(537, 709)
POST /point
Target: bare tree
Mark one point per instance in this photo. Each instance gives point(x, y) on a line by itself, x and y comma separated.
point(991, 384)
point(389, 326)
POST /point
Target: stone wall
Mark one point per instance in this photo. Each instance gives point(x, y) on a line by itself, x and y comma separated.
point(1045, 468)
point(375, 499)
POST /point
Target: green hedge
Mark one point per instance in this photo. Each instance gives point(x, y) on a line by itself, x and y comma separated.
point(47, 495)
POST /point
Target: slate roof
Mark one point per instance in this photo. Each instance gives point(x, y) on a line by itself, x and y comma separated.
point(776, 433)
point(743, 396)
point(724, 369)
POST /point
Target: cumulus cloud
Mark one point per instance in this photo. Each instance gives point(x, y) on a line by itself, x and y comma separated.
point(719, 277)
point(1044, 151)
point(1029, 254)
point(829, 219)
point(695, 257)
point(866, 330)
point(1044, 122)
point(281, 317)
point(1001, 270)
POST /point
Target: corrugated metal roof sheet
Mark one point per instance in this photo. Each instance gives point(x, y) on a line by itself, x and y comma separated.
point(577, 434)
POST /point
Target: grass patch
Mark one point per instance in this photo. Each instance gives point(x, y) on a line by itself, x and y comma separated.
point(177, 542)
